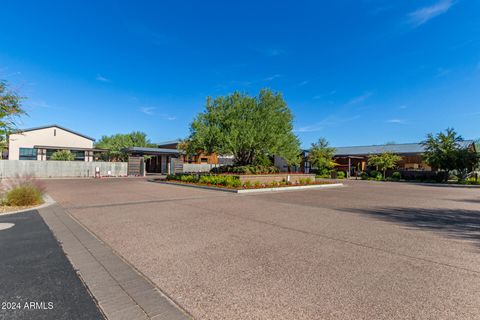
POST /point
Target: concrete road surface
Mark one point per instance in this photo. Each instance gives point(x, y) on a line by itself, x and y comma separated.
point(368, 250)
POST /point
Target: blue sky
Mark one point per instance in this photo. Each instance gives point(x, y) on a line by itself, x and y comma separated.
point(356, 72)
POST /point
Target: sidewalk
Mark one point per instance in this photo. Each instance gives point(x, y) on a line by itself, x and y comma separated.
point(121, 292)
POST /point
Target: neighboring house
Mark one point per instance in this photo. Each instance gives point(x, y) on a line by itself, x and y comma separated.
point(41, 142)
point(160, 158)
point(198, 158)
point(355, 159)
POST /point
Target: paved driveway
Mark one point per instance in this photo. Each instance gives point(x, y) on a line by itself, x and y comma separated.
point(369, 250)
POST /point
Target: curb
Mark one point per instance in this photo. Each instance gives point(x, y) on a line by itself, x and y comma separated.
point(241, 191)
point(47, 201)
point(118, 288)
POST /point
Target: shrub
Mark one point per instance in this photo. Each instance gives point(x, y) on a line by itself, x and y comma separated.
point(257, 184)
point(259, 169)
point(248, 184)
point(374, 173)
point(24, 195)
point(340, 175)
point(308, 180)
point(396, 176)
point(364, 176)
point(188, 178)
point(471, 181)
point(62, 155)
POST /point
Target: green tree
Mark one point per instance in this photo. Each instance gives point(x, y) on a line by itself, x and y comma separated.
point(466, 161)
point(444, 151)
point(62, 155)
point(118, 142)
point(10, 109)
point(249, 128)
point(384, 161)
point(321, 156)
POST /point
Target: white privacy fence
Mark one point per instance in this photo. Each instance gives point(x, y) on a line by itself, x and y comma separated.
point(60, 169)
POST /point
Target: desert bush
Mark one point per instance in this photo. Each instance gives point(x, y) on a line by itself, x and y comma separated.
point(22, 191)
point(24, 195)
point(396, 176)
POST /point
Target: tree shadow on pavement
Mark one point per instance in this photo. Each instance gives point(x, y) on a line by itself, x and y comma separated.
point(466, 200)
point(458, 223)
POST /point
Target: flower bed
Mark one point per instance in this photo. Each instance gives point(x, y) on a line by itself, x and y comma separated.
point(246, 181)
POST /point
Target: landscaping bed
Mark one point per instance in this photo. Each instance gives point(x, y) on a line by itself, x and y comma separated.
point(246, 182)
point(20, 193)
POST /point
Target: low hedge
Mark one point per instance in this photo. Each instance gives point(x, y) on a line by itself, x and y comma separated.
point(246, 169)
point(218, 180)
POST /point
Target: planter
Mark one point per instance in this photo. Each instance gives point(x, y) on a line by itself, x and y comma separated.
point(276, 177)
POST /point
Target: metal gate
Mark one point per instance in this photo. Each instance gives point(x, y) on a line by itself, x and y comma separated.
point(136, 166)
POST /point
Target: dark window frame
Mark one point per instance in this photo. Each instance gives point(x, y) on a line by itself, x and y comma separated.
point(27, 154)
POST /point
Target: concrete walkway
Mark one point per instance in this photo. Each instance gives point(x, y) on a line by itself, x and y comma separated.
point(121, 291)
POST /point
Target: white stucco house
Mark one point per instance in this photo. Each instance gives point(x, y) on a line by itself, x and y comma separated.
point(41, 142)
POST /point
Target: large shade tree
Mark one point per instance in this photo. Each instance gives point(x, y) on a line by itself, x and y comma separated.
point(249, 128)
point(10, 109)
point(445, 151)
point(118, 142)
point(321, 156)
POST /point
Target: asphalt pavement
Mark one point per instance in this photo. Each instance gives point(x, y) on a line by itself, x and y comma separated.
point(36, 279)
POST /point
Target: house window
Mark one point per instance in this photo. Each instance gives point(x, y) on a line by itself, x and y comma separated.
point(79, 155)
point(204, 160)
point(28, 154)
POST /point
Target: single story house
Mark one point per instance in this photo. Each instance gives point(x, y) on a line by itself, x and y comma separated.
point(165, 154)
point(355, 159)
point(40, 143)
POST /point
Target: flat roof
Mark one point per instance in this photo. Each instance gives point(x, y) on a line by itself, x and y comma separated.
point(57, 126)
point(152, 151)
point(69, 148)
point(166, 143)
point(400, 148)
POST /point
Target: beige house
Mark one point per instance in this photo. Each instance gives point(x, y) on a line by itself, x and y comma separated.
point(41, 142)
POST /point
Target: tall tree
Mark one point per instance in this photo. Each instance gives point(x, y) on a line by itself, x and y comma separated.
point(10, 109)
point(246, 127)
point(384, 161)
point(321, 156)
point(444, 151)
point(118, 142)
